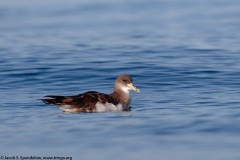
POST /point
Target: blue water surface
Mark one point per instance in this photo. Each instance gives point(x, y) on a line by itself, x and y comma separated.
point(184, 56)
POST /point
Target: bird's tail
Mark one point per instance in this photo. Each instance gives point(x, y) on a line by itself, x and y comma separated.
point(54, 100)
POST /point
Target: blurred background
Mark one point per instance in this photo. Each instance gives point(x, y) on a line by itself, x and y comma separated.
point(183, 56)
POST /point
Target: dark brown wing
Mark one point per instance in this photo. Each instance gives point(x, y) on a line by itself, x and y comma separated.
point(88, 100)
point(80, 103)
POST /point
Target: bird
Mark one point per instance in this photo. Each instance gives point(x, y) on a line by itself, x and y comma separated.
point(92, 101)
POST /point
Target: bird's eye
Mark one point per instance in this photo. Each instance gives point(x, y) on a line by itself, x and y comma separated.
point(124, 80)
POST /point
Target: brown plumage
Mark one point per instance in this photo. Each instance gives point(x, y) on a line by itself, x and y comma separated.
point(93, 101)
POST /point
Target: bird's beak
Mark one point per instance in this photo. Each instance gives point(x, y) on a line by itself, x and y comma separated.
point(132, 87)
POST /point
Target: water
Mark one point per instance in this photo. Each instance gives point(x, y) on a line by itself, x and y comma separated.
point(183, 56)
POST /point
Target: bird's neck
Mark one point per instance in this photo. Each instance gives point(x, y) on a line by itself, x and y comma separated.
point(122, 96)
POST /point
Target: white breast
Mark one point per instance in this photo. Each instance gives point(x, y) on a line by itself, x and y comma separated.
point(107, 107)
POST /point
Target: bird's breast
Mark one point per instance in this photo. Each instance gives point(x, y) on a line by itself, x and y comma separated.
point(106, 107)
